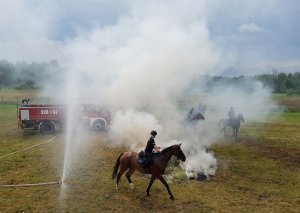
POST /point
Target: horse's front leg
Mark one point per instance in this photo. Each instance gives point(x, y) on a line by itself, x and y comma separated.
point(161, 178)
point(235, 136)
point(150, 184)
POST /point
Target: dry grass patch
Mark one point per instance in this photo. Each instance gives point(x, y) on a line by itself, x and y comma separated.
point(257, 173)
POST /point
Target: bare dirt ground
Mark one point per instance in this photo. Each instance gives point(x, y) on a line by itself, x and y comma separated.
point(288, 156)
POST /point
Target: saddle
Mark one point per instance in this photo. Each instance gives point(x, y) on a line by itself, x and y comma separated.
point(143, 160)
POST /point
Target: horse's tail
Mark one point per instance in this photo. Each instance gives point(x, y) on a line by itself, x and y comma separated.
point(116, 167)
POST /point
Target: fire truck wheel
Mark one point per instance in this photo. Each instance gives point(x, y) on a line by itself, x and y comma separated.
point(99, 125)
point(47, 127)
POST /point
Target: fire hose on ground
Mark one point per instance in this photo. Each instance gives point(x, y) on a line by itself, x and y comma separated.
point(30, 184)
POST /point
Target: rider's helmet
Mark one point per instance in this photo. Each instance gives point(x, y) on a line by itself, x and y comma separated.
point(153, 133)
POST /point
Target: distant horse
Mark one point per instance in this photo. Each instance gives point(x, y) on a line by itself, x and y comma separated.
point(129, 161)
point(193, 121)
point(230, 127)
point(198, 117)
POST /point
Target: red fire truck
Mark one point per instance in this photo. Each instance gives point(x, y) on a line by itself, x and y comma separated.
point(47, 118)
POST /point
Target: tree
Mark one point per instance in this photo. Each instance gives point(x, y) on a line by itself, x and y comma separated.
point(6, 73)
point(289, 82)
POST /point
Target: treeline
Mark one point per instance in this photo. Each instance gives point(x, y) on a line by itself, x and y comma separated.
point(282, 82)
point(278, 82)
point(24, 75)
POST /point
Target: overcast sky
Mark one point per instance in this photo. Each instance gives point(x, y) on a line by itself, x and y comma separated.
point(249, 36)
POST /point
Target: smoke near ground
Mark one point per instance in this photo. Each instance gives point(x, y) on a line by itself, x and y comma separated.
point(130, 128)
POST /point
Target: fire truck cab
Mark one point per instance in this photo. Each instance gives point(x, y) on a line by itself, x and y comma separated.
point(47, 118)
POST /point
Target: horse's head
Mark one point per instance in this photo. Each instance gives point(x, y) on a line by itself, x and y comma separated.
point(179, 153)
point(240, 117)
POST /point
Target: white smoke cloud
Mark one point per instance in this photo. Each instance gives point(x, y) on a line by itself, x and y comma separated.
point(138, 68)
point(40, 30)
point(143, 59)
point(201, 161)
point(251, 99)
point(131, 128)
point(25, 27)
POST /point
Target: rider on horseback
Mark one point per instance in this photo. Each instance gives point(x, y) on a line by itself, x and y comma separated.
point(231, 115)
point(191, 114)
point(150, 147)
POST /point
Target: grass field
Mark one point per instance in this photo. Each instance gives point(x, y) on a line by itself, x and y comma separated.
point(14, 96)
point(290, 103)
point(290, 117)
point(258, 173)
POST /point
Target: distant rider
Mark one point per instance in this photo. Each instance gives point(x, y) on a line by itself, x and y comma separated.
point(150, 147)
point(231, 114)
point(201, 109)
point(190, 115)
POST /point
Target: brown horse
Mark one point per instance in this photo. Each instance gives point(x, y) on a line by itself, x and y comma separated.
point(129, 161)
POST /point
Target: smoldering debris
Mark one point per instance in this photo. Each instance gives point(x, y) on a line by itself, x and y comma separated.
point(199, 175)
point(177, 174)
point(176, 171)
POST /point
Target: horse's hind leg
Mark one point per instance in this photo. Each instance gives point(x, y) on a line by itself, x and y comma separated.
point(128, 175)
point(161, 178)
point(233, 133)
point(122, 170)
point(221, 130)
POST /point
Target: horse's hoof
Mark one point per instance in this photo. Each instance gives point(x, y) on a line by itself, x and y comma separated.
point(172, 198)
point(131, 185)
point(116, 186)
point(148, 195)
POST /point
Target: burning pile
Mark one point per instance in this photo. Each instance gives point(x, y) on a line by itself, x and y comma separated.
point(200, 175)
point(177, 172)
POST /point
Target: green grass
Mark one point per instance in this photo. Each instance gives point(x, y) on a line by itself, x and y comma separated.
point(290, 117)
point(289, 103)
point(258, 173)
point(12, 96)
point(280, 96)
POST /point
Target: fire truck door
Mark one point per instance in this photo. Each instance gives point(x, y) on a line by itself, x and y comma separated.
point(24, 114)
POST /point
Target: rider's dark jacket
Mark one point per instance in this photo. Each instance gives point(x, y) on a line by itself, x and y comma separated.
point(150, 145)
point(148, 151)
